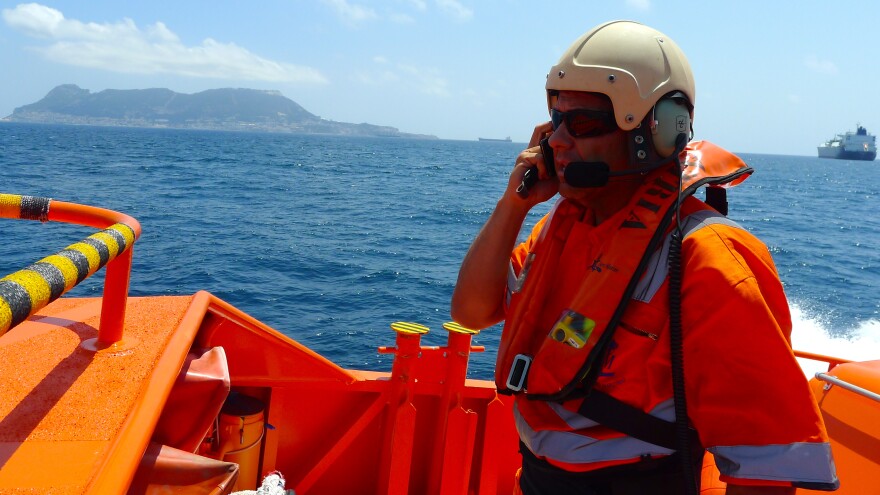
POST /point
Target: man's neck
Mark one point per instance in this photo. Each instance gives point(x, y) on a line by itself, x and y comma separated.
point(614, 198)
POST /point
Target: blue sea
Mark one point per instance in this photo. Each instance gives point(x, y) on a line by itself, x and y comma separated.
point(330, 239)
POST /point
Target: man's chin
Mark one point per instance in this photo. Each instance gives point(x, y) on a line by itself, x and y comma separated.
point(578, 194)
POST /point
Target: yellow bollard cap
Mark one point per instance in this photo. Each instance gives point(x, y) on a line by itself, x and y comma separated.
point(456, 328)
point(407, 328)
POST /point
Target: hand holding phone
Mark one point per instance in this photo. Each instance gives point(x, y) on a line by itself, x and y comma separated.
point(530, 178)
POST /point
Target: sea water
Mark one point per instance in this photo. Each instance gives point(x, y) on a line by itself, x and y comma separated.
point(330, 239)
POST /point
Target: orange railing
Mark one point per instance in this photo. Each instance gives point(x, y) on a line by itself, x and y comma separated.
point(26, 291)
point(831, 361)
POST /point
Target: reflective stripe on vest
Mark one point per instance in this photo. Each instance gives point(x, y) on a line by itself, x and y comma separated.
point(658, 269)
point(574, 448)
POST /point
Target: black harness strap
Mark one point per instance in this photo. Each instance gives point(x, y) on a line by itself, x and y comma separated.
point(716, 197)
point(632, 421)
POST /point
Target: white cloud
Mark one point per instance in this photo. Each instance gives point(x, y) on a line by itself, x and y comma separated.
point(380, 78)
point(643, 5)
point(123, 47)
point(161, 32)
point(350, 13)
point(34, 20)
point(426, 80)
point(354, 14)
point(456, 9)
point(821, 66)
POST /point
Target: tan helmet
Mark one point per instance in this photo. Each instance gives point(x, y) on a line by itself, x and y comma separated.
point(632, 64)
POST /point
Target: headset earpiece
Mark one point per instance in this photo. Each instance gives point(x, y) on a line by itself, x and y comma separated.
point(671, 118)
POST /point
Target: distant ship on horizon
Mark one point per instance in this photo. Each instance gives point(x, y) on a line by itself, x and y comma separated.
point(857, 145)
point(505, 140)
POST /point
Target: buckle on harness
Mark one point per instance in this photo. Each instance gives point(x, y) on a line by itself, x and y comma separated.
point(519, 370)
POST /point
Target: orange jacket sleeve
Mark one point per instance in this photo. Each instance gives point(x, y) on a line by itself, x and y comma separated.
point(747, 396)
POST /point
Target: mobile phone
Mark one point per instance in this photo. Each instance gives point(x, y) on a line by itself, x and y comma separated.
point(531, 175)
point(547, 152)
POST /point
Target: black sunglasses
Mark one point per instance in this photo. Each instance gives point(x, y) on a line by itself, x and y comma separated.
point(584, 123)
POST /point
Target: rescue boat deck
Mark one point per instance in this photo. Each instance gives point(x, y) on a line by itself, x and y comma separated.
point(89, 415)
point(81, 411)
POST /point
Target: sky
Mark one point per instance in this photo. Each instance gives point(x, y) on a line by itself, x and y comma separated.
point(772, 77)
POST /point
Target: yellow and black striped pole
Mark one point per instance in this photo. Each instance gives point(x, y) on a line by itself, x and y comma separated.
point(26, 291)
point(24, 207)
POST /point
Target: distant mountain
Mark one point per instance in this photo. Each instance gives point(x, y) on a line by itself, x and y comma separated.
point(219, 109)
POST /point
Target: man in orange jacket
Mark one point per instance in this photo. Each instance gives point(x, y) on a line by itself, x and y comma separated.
point(598, 323)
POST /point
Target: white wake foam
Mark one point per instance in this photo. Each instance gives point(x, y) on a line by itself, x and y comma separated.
point(811, 335)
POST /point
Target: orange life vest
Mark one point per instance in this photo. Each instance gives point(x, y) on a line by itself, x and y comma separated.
point(561, 359)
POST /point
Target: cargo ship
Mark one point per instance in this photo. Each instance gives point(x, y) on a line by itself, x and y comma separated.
point(505, 140)
point(857, 145)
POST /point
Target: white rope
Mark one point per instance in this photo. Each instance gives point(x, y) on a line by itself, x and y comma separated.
point(273, 484)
